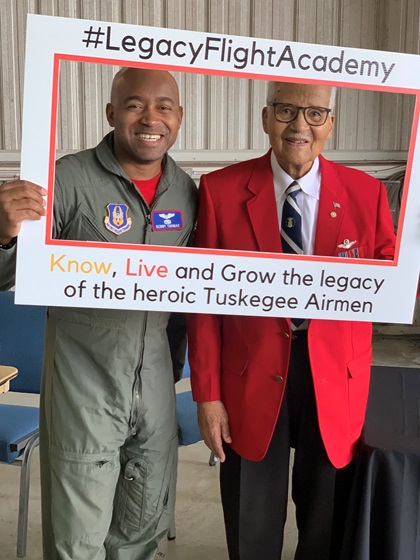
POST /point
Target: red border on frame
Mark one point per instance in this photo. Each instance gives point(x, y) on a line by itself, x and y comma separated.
point(265, 77)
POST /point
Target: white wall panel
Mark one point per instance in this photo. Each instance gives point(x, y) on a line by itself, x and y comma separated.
point(229, 98)
point(317, 22)
point(399, 26)
point(191, 15)
point(11, 81)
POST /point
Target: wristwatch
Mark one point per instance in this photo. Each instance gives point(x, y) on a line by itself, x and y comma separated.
point(9, 245)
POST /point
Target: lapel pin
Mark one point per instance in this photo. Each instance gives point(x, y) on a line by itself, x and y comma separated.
point(336, 205)
point(333, 214)
point(346, 244)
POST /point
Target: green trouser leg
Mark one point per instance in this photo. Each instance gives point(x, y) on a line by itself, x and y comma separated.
point(76, 495)
point(107, 487)
point(144, 501)
point(77, 521)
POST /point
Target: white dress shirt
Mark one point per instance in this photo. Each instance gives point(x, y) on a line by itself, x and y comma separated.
point(308, 201)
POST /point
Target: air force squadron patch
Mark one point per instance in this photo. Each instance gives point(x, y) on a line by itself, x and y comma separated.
point(167, 220)
point(117, 220)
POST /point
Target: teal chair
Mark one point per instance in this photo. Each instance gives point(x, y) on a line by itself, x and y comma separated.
point(21, 345)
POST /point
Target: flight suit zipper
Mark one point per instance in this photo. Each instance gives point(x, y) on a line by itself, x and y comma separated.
point(135, 407)
point(136, 404)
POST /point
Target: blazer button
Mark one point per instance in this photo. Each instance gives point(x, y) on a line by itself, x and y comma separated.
point(279, 379)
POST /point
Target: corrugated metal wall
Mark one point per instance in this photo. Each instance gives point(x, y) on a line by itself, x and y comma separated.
point(220, 113)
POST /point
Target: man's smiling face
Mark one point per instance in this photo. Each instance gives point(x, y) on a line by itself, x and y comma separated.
point(297, 144)
point(146, 116)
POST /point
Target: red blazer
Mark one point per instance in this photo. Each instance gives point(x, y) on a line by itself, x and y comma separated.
point(237, 359)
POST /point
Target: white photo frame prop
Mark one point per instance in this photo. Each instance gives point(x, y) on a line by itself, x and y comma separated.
point(86, 274)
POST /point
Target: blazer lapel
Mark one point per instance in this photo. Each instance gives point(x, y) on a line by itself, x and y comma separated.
point(262, 207)
point(332, 207)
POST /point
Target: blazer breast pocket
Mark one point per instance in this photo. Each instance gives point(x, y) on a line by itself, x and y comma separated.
point(352, 252)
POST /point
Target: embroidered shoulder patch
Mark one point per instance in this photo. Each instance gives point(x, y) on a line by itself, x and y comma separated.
point(117, 220)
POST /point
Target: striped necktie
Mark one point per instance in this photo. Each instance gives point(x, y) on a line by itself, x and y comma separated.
point(291, 228)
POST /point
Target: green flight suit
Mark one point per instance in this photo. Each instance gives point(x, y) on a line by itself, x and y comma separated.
point(108, 439)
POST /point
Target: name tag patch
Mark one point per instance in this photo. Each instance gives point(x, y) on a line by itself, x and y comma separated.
point(167, 220)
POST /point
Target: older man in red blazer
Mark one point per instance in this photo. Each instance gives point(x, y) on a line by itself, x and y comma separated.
point(265, 384)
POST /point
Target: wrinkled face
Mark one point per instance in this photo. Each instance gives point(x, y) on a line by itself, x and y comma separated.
point(297, 144)
point(145, 114)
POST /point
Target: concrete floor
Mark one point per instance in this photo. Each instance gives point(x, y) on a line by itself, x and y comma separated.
point(199, 524)
point(200, 533)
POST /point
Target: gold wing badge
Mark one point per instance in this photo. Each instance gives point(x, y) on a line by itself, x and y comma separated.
point(347, 244)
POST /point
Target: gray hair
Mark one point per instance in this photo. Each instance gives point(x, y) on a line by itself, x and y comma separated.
point(333, 96)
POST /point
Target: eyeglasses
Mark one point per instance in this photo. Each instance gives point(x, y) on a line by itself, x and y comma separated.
point(287, 112)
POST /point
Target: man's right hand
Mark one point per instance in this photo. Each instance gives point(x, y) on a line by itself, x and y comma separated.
point(214, 426)
point(19, 200)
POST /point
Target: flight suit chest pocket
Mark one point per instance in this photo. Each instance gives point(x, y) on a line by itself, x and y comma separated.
point(84, 226)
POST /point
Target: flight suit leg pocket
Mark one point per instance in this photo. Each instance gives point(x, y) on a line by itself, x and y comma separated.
point(82, 495)
point(146, 491)
point(131, 495)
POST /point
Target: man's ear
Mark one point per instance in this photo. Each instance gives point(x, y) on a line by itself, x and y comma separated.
point(180, 115)
point(109, 111)
point(331, 127)
point(264, 119)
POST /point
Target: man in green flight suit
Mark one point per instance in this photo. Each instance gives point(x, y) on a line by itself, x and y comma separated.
point(108, 429)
